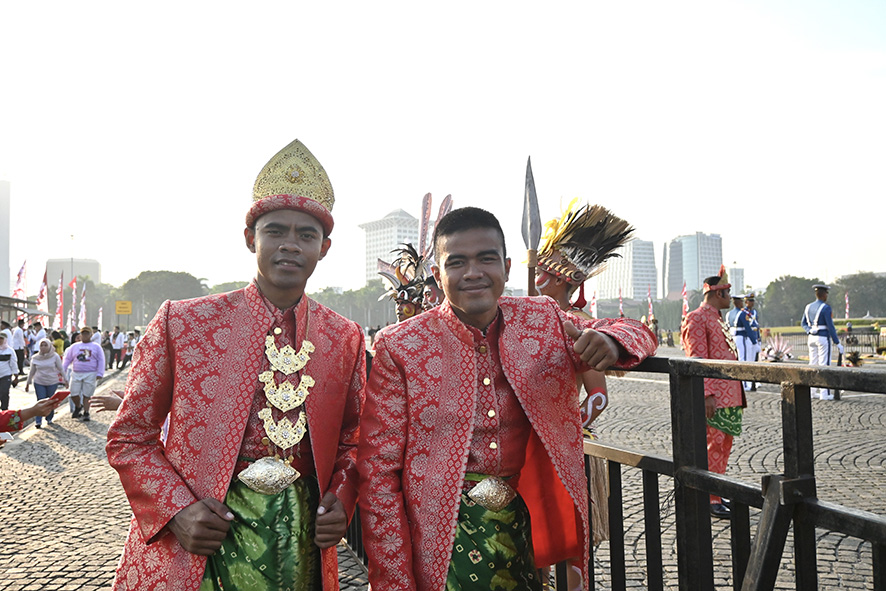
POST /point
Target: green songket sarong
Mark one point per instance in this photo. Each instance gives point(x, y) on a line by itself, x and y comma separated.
point(727, 420)
point(270, 545)
point(493, 549)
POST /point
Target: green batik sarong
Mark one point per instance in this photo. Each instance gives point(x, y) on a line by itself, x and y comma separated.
point(493, 549)
point(270, 545)
point(727, 420)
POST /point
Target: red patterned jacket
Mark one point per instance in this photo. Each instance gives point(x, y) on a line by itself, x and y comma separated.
point(705, 335)
point(418, 423)
point(199, 362)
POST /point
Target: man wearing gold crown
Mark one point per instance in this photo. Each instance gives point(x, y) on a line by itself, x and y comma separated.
point(706, 335)
point(471, 428)
point(263, 389)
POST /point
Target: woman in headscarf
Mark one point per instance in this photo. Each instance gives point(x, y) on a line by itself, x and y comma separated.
point(46, 374)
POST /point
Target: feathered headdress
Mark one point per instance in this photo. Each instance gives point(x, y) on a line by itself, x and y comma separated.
point(576, 246)
point(405, 276)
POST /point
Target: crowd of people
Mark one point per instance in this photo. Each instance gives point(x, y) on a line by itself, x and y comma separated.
point(54, 361)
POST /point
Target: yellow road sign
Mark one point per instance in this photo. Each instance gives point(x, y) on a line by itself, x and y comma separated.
point(124, 307)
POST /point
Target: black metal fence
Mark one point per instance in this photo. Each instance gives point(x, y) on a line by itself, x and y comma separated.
point(785, 500)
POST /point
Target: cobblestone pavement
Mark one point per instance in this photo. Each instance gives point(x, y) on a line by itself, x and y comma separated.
point(65, 516)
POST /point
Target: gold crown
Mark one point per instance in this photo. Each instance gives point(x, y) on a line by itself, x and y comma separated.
point(294, 171)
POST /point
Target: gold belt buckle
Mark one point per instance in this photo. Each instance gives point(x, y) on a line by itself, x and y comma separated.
point(268, 475)
point(492, 493)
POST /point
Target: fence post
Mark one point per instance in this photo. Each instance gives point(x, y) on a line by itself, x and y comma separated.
point(695, 560)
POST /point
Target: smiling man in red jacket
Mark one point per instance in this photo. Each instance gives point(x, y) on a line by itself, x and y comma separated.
point(471, 461)
point(263, 389)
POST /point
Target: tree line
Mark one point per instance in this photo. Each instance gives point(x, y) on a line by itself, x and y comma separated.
point(780, 304)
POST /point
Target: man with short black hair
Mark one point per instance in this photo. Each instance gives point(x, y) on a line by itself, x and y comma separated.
point(704, 334)
point(254, 486)
point(471, 428)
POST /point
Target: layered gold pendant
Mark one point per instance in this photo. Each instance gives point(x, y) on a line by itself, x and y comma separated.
point(284, 433)
point(286, 360)
point(270, 475)
point(285, 396)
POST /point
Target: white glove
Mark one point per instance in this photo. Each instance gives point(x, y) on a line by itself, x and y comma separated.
point(840, 348)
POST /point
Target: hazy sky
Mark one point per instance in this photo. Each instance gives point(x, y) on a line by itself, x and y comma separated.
point(140, 127)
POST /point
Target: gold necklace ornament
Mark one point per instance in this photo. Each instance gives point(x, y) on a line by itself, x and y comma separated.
point(724, 326)
point(284, 433)
point(285, 396)
point(272, 474)
point(286, 360)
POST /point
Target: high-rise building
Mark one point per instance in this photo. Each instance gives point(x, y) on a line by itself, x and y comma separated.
point(384, 235)
point(634, 273)
point(736, 278)
point(5, 225)
point(691, 258)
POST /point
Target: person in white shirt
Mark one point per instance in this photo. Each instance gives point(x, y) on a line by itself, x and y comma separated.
point(6, 329)
point(117, 342)
point(18, 344)
point(8, 371)
point(37, 335)
point(131, 342)
point(96, 336)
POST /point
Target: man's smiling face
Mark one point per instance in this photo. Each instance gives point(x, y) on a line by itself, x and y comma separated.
point(287, 245)
point(472, 271)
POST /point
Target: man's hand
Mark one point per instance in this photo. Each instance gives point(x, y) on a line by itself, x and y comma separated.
point(331, 523)
point(104, 402)
point(596, 349)
point(710, 407)
point(201, 527)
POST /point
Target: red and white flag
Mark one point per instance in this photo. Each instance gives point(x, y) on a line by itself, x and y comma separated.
point(58, 323)
point(847, 305)
point(81, 319)
point(21, 283)
point(99, 324)
point(72, 316)
point(621, 310)
point(685, 301)
point(649, 298)
point(42, 300)
point(21, 288)
point(594, 305)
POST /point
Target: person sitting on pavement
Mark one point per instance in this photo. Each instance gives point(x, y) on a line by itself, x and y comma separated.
point(46, 373)
point(88, 363)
